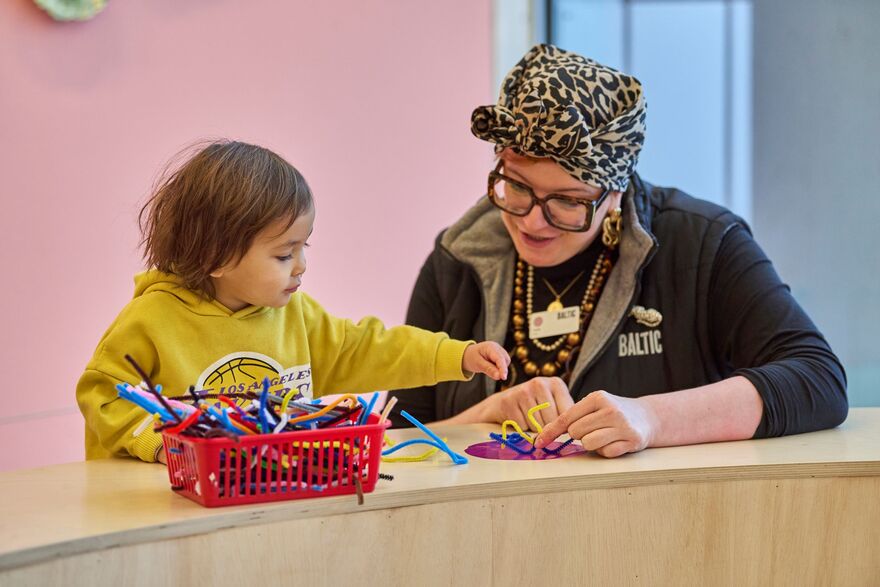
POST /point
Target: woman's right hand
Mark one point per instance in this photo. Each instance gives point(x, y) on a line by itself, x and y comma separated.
point(515, 403)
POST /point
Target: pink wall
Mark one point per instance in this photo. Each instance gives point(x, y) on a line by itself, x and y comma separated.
point(370, 100)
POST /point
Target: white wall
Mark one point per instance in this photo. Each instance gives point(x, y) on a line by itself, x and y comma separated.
point(817, 168)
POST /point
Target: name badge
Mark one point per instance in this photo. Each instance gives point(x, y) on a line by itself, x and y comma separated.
point(555, 322)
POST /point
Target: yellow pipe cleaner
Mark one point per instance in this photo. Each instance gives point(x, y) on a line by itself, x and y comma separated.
point(531, 416)
point(413, 459)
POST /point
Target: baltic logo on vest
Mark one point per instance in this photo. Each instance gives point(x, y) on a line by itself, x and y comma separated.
point(636, 344)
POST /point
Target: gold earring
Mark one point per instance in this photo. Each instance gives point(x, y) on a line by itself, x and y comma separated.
point(611, 227)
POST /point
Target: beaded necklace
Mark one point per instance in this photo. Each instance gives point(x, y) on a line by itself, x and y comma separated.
point(571, 343)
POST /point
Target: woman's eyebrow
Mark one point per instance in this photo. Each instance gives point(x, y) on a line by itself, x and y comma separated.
point(578, 190)
point(581, 191)
point(517, 176)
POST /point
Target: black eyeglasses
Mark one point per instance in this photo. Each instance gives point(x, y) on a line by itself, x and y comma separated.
point(563, 212)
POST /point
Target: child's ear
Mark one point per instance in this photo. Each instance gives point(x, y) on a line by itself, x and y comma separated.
point(218, 273)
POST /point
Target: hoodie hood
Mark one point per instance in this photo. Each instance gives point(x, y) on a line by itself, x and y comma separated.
point(155, 282)
point(480, 240)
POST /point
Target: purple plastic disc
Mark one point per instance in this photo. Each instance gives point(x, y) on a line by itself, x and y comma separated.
point(495, 450)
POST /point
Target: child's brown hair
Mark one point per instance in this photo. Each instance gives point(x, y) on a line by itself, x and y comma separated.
point(206, 212)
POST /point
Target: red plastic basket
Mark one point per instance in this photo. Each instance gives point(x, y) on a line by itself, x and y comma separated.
point(273, 467)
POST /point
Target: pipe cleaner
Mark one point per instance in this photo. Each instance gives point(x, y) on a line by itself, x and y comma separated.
point(440, 443)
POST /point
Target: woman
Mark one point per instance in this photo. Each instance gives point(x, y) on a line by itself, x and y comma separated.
point(655, 312)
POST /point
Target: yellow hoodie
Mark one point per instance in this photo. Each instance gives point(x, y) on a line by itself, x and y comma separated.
point(181, 339)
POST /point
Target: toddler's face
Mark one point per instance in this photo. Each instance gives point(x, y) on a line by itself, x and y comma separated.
point(271, 270)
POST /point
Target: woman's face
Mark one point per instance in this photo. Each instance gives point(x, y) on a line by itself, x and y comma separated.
point(539, 243)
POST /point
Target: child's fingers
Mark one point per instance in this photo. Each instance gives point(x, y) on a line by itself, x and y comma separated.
point(500, 365)
point(499, 358)
point(490, 359)
point(493, 369)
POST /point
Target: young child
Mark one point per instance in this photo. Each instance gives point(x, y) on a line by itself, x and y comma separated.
point(225, 237)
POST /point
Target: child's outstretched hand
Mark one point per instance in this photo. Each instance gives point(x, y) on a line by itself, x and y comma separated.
point(486, 357)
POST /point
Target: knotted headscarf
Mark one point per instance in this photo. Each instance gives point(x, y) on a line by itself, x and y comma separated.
point(588, 118)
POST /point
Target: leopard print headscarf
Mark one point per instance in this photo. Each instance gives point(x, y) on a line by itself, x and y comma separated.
point(587, 117)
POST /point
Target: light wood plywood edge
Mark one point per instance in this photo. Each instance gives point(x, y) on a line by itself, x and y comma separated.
point(71, 509)
point(755, 532)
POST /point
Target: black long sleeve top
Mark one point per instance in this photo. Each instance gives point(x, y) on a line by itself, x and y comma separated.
point(725, 312)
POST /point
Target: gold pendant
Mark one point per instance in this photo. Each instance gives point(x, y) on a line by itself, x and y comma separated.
point(555, 306)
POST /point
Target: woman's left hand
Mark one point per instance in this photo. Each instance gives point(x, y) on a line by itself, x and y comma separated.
point(605, 423)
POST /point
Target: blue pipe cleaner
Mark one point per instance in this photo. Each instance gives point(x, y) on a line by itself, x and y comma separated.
point(456, 458)
point(410, 442)
point(150, 406)
point(511, 445)
point(267, 422)
point(368, 408)
point(223, 418)
point(558, 449)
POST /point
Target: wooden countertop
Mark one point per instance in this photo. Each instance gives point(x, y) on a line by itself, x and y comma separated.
point(80, 507)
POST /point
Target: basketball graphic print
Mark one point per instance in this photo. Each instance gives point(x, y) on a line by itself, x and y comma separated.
point(241, 370)
point(245, 371)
